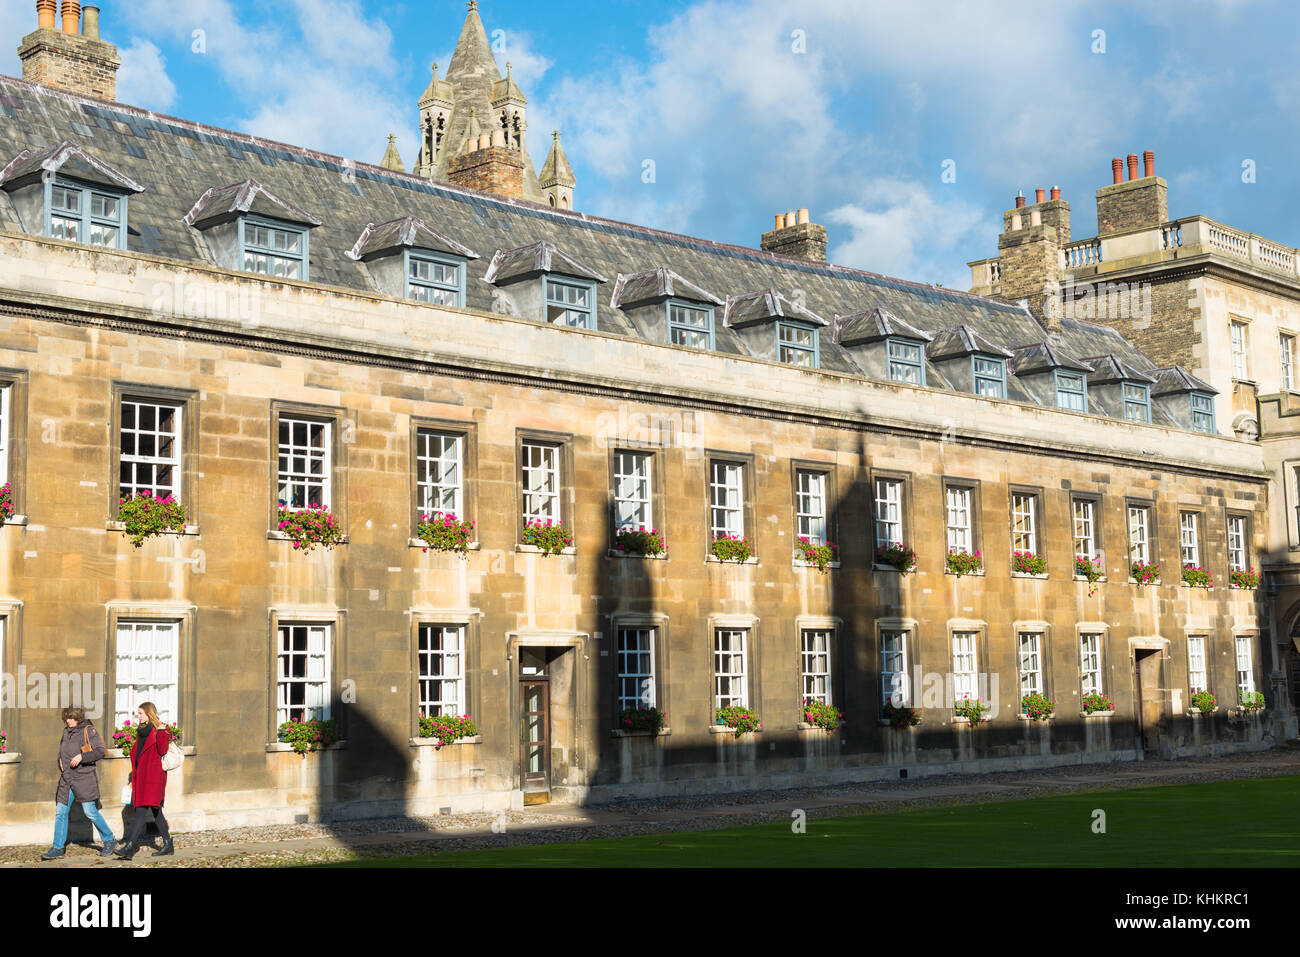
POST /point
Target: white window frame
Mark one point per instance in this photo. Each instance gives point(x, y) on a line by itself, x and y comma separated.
point(301, 457)
point(810, 505)
point(959, 501)
point(636, 667)
point(315, 680)
point(6, 403)
point(1030, 662)
point(1245, 660)
point(726, 657)
point(893, 661)
point(1237, 543)
point(1286, 346)
point(1240, 359)
point(440, 473)
point(1189, 539)
point(1090, 663)
point(1139, 533)
point(633, 492)
point(815, 664)
point(541, 481)
point(889, 512)
point(1084, 512)
point(448, 675)
point(965, 665)
point(1196, 663)
point(726, 499)
point(155, 463)
point(1024, 522)
point(132, 686)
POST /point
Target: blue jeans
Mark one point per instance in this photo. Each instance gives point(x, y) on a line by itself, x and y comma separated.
point(92, 813)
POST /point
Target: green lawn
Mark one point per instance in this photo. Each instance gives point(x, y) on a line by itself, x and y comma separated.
point(1225, 824)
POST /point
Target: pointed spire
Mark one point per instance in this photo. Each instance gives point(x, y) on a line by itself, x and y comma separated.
point(556, 171)
point(392, 159)
point(506, 90)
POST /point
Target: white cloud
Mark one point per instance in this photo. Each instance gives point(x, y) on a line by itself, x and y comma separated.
point(903, 229)
point(142, 79)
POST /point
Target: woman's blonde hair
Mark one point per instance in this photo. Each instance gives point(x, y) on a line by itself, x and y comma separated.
point(151, 713)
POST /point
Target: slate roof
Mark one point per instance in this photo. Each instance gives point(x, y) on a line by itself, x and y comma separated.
point(1110, 368)
point(654, 284)
point(406, 232)
point(69, 159)
point(177, 162)
point(872, 326)
point(962, 341)
point(1177, 379)
point(250, 196)
point(1045, 357)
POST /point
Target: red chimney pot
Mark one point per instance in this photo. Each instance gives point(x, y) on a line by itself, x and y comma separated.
point(1020, 200)
point(1117, 169)
point(1149, 161)
point(1040, 195)
point(1132, 166)
point(1056, 192)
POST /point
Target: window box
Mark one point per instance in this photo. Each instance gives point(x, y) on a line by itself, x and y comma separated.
point(1037, 707)
point(115, 755)
point(618, 733)
point(811, 554)
point(1021, 716)
point(121, 527)
point(11, 757)
point(737, 720)
point(444, 729)
point(615, 553)
point(971, 711)
point(732, 548)
point(1098, 714)
point(1244, 578)
point(420, 544)
point(1095, 702)
point(549, 538)
point(433, 742)
point(1144, 573)
point(445, 533)
point(1043, 577)
point(280, 747)
point(640, 543)
point(961, 562)
point(1196, 577)
point(822, 716)
point(641, 720)
point(144, 516)
point(1028, 564)
point(309, 527)
point(895, 557)
point(312, 734)
point(524, 549)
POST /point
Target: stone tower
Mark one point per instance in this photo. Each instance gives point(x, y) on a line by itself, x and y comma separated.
point(557, 176)
point(473, 123)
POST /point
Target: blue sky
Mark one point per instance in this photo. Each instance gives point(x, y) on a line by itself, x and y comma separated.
point(746, 108)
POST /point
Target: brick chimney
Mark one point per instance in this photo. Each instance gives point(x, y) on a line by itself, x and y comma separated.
point(1133, 203)
point(79, 62)
point(794, 235)
point(488, 163)
point(1029, 250)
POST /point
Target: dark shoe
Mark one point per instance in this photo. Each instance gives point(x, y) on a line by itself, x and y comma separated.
point(108, 848)
point(167, 848)
point(52, 854)
point(127, 850)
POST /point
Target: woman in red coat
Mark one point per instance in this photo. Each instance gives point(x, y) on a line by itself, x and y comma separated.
point(148, 781)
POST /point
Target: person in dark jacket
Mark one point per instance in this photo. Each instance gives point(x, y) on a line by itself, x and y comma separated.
point(80, 747)
point(148, 781)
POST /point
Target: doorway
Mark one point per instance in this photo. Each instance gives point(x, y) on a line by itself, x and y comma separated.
point(1148, 698)
point(535, 739)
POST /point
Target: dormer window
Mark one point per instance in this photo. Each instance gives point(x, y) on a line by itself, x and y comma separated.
point(81, 213)
point(436, 279)
point(797, 344)
point(571, 302)
point(1202, 412)
point(246, 226)
point(1071, 391)
point(990, 376)
point(690, 324)
point(273, 249)
point(65, 192)
point(906, 361)
point(1137, 402)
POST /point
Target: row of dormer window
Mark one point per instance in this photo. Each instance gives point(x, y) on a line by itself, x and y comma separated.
point(241, 235)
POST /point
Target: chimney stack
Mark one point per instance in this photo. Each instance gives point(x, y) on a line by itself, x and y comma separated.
point(1020, 200)
point(1136, 203)
point(66, 59)
point(796, 235)
point(1117, 170)
point(1040, 195)
point(1056, 192)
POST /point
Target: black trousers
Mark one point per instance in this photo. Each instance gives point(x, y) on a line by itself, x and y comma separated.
point(140, 820)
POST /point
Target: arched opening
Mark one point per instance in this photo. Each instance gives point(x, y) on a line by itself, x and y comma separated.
point(564, 202)
point(552, 199)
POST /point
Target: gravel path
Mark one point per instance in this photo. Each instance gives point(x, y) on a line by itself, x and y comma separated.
point(293, 844)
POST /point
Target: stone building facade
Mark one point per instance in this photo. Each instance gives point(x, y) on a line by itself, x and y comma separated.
point(1221, 303)
point(290, 329)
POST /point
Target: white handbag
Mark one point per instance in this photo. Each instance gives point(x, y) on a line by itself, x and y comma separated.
point(173, 758)
point(126, 794)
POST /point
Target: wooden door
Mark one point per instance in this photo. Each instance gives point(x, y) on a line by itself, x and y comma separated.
point(535, 740)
